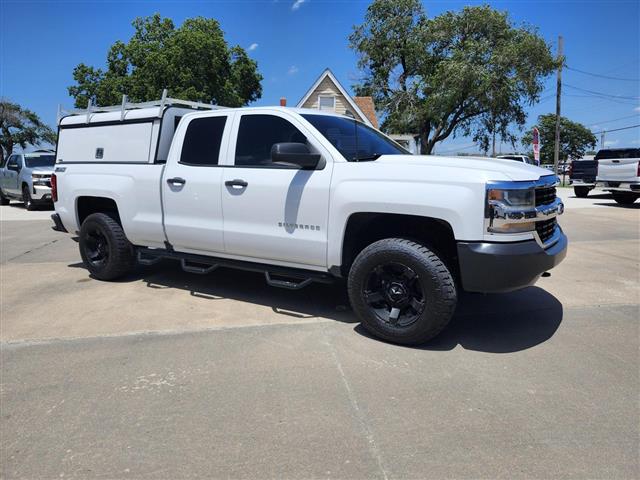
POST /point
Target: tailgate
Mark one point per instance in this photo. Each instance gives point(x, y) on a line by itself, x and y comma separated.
point(618, 169)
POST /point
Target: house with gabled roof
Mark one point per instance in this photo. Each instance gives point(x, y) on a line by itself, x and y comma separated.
point(328, 94)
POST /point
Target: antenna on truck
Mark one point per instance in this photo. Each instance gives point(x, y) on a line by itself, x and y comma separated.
point(126, 106)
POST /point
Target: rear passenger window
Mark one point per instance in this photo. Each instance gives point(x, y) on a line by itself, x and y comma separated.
point(258, 133)
point(202, 141)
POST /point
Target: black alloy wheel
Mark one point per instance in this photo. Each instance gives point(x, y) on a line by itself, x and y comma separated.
point(97, 247)
point(394, 293)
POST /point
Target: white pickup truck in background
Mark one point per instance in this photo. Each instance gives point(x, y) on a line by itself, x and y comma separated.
point(619, 173)
point(302, 196)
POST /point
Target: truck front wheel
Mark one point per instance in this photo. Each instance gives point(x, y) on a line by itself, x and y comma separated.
point(402, 291)
point(26, 198)
point(104, 248)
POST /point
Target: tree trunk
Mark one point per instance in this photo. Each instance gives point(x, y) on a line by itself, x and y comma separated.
point(425, 145)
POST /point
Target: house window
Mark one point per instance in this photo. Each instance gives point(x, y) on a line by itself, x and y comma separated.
point(327, 103)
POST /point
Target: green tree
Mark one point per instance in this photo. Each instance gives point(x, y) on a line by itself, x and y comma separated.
point(575, 138)
point(19, 126)
point(194, 62)
point(470, 72)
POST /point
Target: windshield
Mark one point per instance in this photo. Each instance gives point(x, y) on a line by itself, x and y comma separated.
point(40, 160)
point(353, 139)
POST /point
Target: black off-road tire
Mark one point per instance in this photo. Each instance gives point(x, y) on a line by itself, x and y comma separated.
point(3, 200)
point(28, 202)
point(435, 281)
point(119, 258)
point(623, 198)
point(581, 192)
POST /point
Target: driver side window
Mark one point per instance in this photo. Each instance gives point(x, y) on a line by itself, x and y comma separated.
point(13, 161)
point(257, 134)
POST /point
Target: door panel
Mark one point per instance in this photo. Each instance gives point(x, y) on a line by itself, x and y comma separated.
point(192, 183)
point(11, 180)
point(281, 213)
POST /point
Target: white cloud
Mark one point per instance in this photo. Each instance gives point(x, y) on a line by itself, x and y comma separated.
point(635, 142)
point(297, 4)
point(252, 47)
point(611, 143)
point(637, 109)
point(292, 70)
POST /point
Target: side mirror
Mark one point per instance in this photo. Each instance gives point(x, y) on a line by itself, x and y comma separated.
point(294, 154)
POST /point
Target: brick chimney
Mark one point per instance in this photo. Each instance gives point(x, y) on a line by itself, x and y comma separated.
point(283, 102)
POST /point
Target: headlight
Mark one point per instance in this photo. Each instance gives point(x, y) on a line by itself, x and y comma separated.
point(510, 210)
point(524, 198)
point(38, 179)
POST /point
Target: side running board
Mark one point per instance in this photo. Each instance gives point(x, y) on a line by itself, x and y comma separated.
point(275, 276)
point(288, 284)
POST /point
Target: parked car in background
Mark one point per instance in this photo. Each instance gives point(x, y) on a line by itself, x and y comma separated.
point(303, 195)
point(518, 158)
point(619, 173)
point(27, 177)
point(582, 175)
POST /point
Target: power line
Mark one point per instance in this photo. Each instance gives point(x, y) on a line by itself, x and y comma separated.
point(603, 76)
point(616, 119)
point(607, 99)
point(617, 129)
point(600, 94)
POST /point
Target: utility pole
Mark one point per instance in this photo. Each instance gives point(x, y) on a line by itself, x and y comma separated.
point(602, 139)
point(556, 149)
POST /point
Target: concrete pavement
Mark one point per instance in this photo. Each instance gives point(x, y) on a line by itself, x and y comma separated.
point(172, 375)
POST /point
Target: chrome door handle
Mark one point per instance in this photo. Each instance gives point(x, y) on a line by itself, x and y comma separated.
point(176, 181)
point(236, 183)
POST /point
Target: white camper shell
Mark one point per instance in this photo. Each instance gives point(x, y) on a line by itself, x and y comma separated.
point(131, 133)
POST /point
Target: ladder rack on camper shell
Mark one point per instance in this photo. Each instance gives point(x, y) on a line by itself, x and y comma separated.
point(126, 106)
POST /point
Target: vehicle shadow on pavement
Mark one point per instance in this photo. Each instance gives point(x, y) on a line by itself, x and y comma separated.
point(316, 300)
point(499, 323)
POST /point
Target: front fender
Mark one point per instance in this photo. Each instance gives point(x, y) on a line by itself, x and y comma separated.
point(459, 205)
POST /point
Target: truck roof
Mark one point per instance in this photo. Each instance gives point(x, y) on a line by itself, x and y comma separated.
point(87, 117)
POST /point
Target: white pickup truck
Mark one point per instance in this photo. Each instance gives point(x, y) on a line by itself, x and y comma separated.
point(303, 195)
point(619, 173)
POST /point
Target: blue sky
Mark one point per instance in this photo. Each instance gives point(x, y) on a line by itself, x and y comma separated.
point(294, 40)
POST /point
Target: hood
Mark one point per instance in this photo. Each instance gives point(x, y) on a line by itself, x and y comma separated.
point(42, 170)
point(512, 169)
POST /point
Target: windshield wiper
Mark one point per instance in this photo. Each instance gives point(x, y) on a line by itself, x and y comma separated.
point(373, 156)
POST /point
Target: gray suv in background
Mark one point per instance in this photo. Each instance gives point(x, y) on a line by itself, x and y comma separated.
point(27, 177)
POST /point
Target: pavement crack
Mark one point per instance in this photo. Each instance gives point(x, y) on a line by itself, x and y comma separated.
point(33, 250)
point(362, 419)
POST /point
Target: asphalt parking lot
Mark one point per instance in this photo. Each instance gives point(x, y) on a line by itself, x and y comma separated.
point(174, 375)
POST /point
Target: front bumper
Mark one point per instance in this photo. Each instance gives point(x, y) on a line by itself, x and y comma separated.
point(502, 267)
point(41, 193)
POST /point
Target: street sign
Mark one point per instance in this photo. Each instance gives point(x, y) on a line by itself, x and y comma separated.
point(536, 145)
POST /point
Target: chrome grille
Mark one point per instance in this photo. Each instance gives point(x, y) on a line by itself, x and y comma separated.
point(545, 229)
point(545, 195)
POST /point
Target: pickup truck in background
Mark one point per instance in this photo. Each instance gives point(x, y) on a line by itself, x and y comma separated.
point(27, 177)
point(619, 173)
point(303, 195)
point(582, 175)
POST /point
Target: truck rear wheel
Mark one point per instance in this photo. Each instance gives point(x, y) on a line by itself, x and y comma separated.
point(104, 248)
point(581, 192)
point(402, 291)
point(624, 198)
